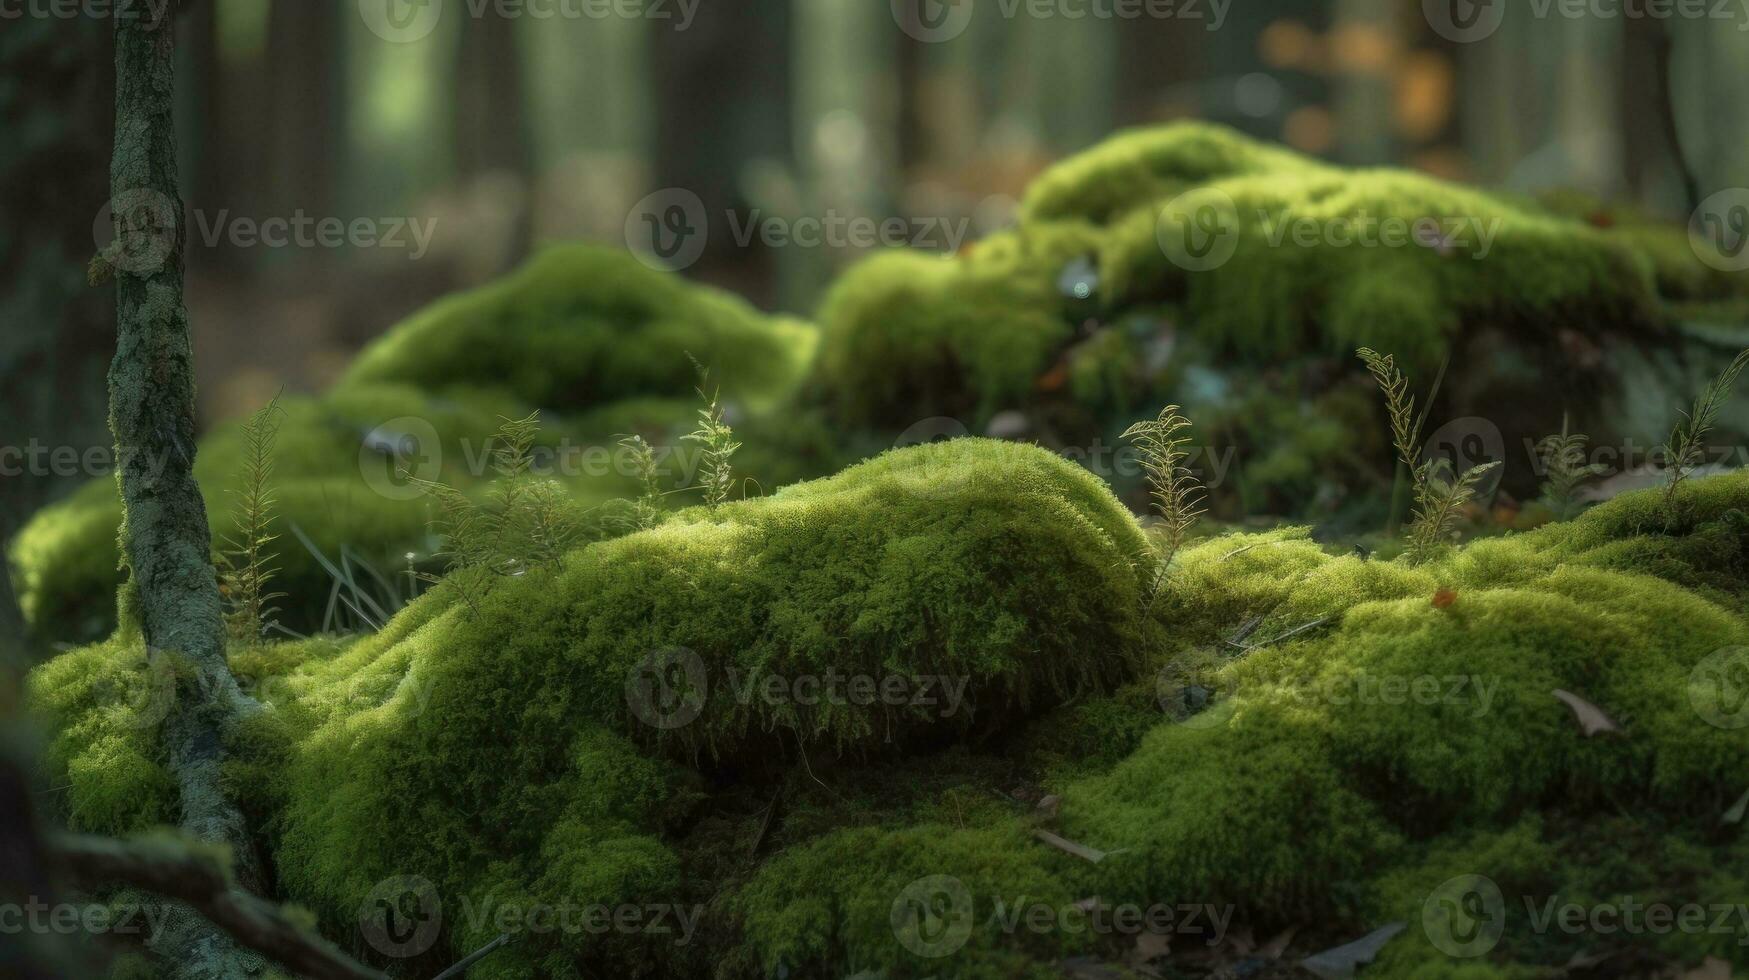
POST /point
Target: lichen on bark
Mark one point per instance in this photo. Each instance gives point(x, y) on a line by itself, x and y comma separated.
point(165, 537)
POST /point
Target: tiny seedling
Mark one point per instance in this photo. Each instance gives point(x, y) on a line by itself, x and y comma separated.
point(1687, 446)
point(1177, 493)
point(1439, 491)
point(245, 564)
point(1565, 471)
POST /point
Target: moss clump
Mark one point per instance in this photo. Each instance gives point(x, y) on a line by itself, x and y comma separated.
point(1381, 728)
point(332, 465)
point(1079, 320)
point(588, 335)
point(1341, 774)
point(999, 574)
point(582, 326)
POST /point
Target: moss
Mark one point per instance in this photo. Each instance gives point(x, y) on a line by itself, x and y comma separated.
point(1343, 773)
point(988, 564)
point(1078, 319)
point(583, 326)
point(1370, 745)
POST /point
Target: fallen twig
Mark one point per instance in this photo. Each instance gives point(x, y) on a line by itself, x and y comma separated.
point(195, 878)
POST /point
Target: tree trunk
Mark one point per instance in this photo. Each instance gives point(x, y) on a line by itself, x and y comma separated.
point(722, 90)
point(165, 536)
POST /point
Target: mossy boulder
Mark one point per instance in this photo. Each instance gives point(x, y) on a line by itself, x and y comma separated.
point(1404, 733)
point(954, 590)
point(582, 326)
point(1079, 318)
point(600, 346)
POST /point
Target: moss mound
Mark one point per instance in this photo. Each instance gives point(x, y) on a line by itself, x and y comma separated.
point(1340, 778)
point(953, 589)
point(583, 326)
point(1080, 316)
point(607, 340)
point(1383, 731)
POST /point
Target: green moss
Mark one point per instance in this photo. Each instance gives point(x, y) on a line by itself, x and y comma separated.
point(1079, 319)
point(999, 567)
point(583, 326)
point(1371, 744)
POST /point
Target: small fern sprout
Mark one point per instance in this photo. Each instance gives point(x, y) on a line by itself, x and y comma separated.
point(717, 450)
point(1563, 459)
point(1177, 493)
point(1687, 446)
point(245, 564)
point(1405, 428)
point(524, 520)
point(1438, 490)
point(643, 459)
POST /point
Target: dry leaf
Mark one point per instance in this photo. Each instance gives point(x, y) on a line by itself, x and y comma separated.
point(1082, 851)
point(1592, 719)
point(1735, 814)
point(1340, 963)
point(1444, 598)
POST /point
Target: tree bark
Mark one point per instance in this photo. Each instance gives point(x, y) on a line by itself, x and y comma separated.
point(165, 537)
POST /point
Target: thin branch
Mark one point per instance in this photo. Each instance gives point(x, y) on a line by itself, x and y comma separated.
point(197, 879)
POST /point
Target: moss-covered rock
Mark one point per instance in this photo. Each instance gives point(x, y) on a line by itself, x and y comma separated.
point(1079, 318)
point(583, 326)
point(1339, 778)
point(952, 590)
point(590, 337)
